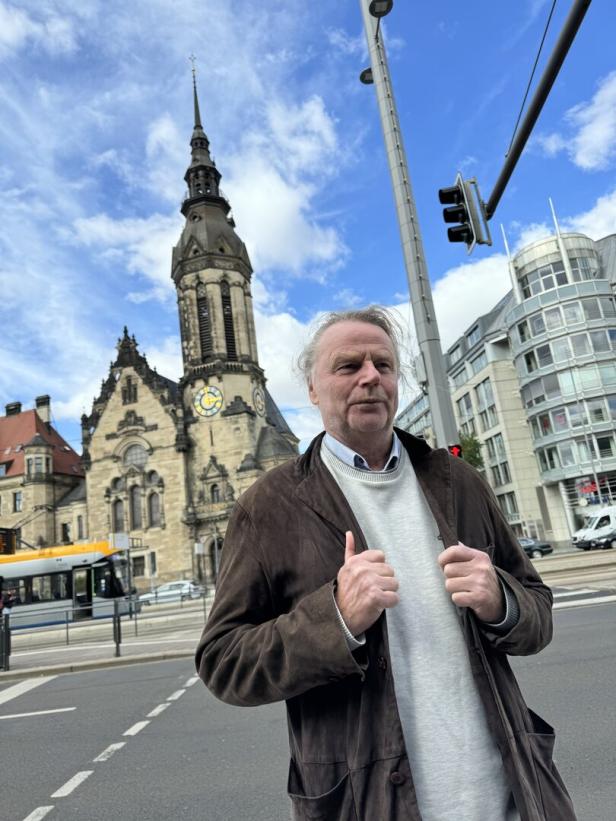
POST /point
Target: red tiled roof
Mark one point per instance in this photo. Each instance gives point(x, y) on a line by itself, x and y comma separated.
point(18, 429)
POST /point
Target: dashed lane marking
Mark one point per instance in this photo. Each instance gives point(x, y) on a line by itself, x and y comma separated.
point(39, 713)
point(136, 728)
point(109, 751)
point(38, 813)
point(192, 680)
point(158, 710)
point(176, 695)
point(23, 687)
point(72, 784)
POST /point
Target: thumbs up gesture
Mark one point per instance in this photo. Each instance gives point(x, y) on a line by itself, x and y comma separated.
point(366, 586)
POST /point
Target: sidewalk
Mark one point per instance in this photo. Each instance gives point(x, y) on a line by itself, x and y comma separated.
point(164, 632)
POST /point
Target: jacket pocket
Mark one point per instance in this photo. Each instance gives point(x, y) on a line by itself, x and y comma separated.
point(316, 800)
point(553, 793)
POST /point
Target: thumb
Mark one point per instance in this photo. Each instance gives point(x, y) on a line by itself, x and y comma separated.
point(349, 547)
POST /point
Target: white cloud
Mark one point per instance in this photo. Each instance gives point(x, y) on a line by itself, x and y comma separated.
point(590, 141)
point(276, 220)
point(466, 292)
point(143, 246)
point(17, 29)
point(597, 222)
point(345, 43)
point(166, 156)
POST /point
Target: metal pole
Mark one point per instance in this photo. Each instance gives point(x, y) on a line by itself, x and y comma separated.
point(426, 327)
point(563, 44)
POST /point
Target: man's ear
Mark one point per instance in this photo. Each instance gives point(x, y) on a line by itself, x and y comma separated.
point(312, 394)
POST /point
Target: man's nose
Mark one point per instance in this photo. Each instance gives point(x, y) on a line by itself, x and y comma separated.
point(369, 375)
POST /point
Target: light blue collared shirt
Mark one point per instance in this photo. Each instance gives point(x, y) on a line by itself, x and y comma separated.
point(356, 460)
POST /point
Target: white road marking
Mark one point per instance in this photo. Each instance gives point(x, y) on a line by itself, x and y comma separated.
point(72, 784)
point(192, 680)
point(176, 695)
point(107, 753)
point(584, 602)
point(136, 728)
point(40, 713)
point(38, 813)
point(23, 687)
point(572, 593)
point(157, 710)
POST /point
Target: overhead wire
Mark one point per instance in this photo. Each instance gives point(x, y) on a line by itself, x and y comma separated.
point(547, 25)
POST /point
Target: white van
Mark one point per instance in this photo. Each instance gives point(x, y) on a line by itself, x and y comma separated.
point(599, 524)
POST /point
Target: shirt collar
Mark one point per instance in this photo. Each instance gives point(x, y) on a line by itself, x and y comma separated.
point(356, 460)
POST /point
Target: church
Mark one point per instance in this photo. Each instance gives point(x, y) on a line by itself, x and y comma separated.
point(162, 460)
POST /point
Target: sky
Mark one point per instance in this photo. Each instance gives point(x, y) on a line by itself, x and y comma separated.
point(95, 121)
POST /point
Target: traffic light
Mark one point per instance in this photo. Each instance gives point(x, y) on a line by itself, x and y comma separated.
point(455, 450)
point(466, 208)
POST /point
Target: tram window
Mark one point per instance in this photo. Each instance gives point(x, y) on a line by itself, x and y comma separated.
point(59, 586)
point(41, 588)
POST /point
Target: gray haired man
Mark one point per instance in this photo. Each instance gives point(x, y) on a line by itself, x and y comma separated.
point(374, 585)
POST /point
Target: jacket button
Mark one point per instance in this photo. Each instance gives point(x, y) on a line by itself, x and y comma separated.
point(381, 663)
point(397, 778)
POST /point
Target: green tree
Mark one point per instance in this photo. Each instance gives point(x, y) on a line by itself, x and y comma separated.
point(471, 450)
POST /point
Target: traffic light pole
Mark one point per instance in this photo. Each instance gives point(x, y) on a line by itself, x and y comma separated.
point(426, 327)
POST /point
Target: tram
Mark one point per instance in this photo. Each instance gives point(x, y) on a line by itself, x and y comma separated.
point(55, 584)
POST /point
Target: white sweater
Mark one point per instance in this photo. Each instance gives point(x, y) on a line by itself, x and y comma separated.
point(456, 766)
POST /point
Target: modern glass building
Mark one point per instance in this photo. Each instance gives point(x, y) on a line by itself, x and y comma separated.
point(535, 381)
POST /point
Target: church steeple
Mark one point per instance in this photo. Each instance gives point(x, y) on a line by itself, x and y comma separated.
point(202, 176)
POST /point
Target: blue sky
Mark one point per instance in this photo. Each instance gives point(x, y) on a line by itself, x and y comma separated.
point(95, 119)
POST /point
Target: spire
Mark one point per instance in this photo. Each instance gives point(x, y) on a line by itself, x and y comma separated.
point(195, 98)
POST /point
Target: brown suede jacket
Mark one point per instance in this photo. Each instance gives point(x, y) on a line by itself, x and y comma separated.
point(273, 634)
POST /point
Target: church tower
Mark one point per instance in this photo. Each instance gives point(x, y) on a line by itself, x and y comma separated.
point(234, 431)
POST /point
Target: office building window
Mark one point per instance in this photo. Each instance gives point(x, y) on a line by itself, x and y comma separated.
point(17, 501)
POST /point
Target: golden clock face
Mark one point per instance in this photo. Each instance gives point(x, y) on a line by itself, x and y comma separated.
point(208, 400)
point(258, 400)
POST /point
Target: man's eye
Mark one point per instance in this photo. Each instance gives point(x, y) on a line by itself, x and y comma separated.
point(346, 366)
point(383, 366)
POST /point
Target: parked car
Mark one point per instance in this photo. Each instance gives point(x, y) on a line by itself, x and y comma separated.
point(604, 542)
point(172, 591)
point(534, 548)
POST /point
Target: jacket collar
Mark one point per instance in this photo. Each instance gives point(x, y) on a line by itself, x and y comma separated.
point(318, 489)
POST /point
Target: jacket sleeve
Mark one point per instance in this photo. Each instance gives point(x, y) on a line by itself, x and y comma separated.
point(249, 654)
point(533, 630)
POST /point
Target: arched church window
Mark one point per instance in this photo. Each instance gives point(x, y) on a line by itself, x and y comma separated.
point(117, 485)
point(135, 455)
point(153, 477)
point(136, 521)
point(154, 510)
point(205, 326)
point(118, 516)
point(215, 493)
point(227, 313)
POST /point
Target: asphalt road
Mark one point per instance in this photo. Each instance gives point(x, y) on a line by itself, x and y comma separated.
point(148, 741)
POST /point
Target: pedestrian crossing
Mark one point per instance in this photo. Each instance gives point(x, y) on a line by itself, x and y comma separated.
point(569, 597)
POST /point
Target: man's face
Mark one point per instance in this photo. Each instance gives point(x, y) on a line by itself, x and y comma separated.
point(354, 381)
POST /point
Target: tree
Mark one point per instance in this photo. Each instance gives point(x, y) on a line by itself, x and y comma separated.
point(471, 450)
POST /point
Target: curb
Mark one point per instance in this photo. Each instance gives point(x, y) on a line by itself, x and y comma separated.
point(93, 664)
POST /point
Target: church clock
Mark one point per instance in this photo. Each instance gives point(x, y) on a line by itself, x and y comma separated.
point(259, 401)
point(208, 400)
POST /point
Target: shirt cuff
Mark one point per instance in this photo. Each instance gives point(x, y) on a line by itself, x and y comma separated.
point(512, 612)
point(353, 643)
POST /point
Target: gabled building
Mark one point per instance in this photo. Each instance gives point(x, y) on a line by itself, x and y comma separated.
point(38, 469)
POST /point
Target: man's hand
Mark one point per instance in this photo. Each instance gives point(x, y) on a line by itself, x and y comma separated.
point(366, 586)
point(472, 582)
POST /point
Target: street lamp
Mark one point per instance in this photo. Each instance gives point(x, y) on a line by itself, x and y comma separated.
point(426, 328)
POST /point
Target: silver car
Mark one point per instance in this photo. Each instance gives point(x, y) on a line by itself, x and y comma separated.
point(172, 591)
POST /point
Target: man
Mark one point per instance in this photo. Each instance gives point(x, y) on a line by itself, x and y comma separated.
point(374, 585)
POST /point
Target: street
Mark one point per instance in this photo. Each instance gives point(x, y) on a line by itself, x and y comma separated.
point(149, 742)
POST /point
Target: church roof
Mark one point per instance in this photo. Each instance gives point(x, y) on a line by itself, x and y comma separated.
point(77, 494)
point(20, 429)
point(275, 417)
point(272, 445)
